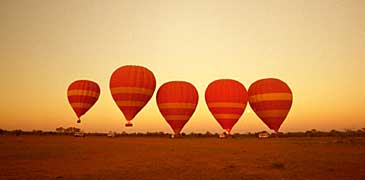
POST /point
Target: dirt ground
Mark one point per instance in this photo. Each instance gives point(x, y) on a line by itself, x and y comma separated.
point(66, 157)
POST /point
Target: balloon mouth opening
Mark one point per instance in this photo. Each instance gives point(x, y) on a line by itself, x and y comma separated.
point(177, 132)
point(128, 124)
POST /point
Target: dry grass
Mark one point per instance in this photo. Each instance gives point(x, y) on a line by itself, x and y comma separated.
point(63, 157)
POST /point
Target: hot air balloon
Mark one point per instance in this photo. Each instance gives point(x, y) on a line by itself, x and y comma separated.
point(82, 95)
point(226, 100)
point(177, 101)
point(271, 100)
point(132, 87)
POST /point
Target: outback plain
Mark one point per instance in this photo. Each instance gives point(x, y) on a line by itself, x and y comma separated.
point(92, 157)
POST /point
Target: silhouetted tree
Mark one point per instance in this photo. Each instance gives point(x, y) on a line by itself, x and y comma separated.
point(18, 132)
point(349, 132)
point(334, 132)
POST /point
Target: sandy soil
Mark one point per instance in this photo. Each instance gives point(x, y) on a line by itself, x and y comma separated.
point(64, 157)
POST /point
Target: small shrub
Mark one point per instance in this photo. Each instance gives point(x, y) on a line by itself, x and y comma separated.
point(278, 165)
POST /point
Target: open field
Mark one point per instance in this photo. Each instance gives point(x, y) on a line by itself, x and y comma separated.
point(66, 157)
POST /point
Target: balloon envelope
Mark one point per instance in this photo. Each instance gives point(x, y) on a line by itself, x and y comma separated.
point(271, 100)
point(177, 101)
point(226, 100)
point(131, 88)
point(82, 95)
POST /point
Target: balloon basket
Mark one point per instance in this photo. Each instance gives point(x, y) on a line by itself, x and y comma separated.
point(174, 136)
point(78, 121)
point(128, 124)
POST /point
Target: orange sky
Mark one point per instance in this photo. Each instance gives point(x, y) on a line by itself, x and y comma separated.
point(317, 47)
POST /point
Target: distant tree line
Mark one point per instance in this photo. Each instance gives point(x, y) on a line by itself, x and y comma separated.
point(310, 133)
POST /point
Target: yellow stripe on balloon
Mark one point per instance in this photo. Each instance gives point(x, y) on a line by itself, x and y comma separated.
point(131, 90)
point(272, 113)
point(177, 106)
point(177, 117)
point(130, 103)
point(81, 105)
point(226, 105)
point(79, 92)
point(227, 116)
point(271, 97)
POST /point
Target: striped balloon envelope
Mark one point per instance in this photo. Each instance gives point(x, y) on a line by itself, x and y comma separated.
point(82, 95)
point(131, 88)
point(177, 101)
point(226, 100)
point(271, 100)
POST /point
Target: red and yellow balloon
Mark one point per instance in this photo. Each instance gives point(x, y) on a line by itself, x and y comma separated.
point(82, 95)
point(177, 101)
point(271, 100)
point(226, 100)
point(132, 87)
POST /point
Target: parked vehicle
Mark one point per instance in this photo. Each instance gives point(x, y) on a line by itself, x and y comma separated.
point(79, 134)
point(264, 135)
point(111, 134)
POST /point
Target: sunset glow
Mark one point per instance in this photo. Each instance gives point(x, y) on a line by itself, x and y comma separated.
point(316, 47)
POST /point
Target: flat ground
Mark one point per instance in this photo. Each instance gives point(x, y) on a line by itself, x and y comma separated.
point(66, 157)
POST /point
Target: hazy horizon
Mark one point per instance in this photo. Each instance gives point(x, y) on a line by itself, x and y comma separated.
point(316, 47)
